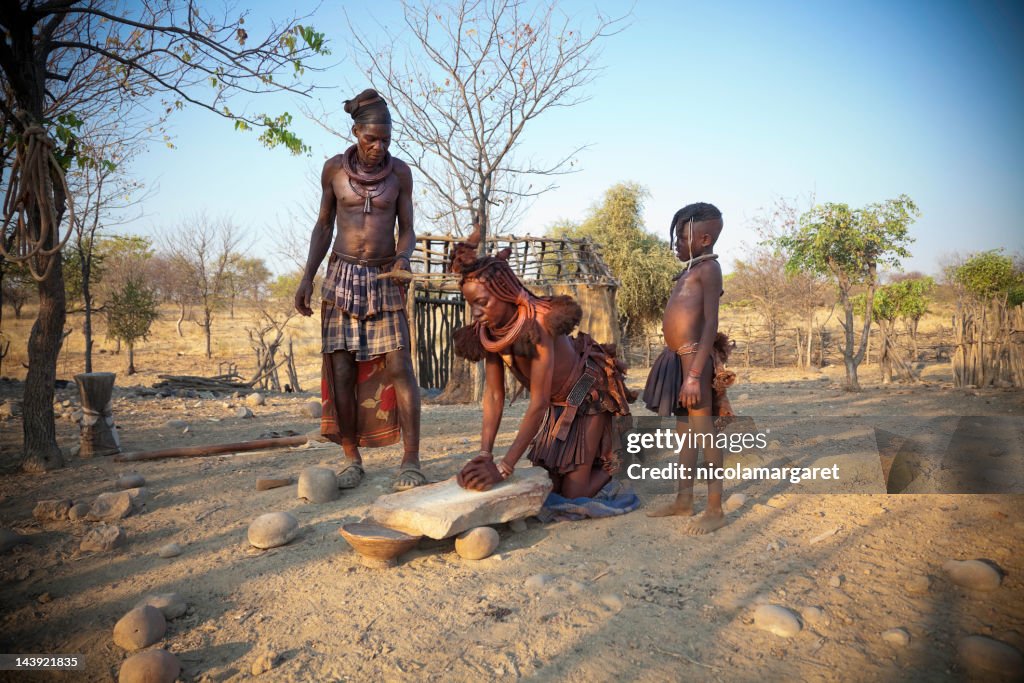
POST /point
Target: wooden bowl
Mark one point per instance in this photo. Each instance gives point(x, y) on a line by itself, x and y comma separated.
point(377, 545)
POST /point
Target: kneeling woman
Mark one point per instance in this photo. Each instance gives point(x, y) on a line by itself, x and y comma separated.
point(576, 385)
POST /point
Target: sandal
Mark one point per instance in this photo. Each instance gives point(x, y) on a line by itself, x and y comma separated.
point(351, 476)
point(409, 477)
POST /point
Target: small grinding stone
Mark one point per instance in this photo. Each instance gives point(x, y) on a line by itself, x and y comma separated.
point(987, 658)
point(170, 550)
point(151, 666)
point(103, 538)
point(273, 529)
point(171, 605)
point(897, 637)
point(318, 485)
point(478, 543)
point(131, 481)
point(140, 628)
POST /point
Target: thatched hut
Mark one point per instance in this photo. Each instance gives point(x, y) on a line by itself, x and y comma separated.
point(546, 265)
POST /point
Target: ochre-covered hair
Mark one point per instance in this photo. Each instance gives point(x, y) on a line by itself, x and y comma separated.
point(560, 314)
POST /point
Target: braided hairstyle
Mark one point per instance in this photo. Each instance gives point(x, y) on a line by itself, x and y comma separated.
point(701, 211)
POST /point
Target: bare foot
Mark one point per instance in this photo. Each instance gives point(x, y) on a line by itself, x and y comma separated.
point(708, 522)
point(680, 507)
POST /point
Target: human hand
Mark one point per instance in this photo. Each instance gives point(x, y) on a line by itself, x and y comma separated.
point(479, 474)
point(689, 394)
point(401, 263)
point(302, 297)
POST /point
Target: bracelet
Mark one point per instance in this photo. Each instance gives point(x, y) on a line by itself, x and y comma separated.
point(487, 453)
point(505, 469)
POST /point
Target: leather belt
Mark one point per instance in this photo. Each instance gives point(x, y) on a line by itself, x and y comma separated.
point(365, 262)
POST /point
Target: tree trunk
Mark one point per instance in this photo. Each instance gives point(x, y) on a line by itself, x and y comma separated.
point(181, 319)
point(131, 358)
point(41, 450)
point(810, 337)
point(207, 330)
point(87, 325)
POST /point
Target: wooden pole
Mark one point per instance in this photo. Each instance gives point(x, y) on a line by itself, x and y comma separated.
point(215, 449)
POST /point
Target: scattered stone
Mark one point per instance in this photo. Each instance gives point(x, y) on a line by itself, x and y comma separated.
point(151, 666)
point(777, 620)
point(735, 502)
point(318, 485)
point(836, 580)
point(445, 509)
point(207, 395)
point(171, 605)
point(314, 409)
point(140, 628)
point(917, 584)
point(44, 598)
point(175, 425)
point(256, 399)
point(273, 529)
point(243, 413)
point(517, 525)
point(130, 481)
point(10, 538)
point(537, 581)
point(110, 507)
point(578, 587)
point(170, 550)
point(897, 637)
point(264, 662)
point(987, 658)
point(267, 484)
point(52, 510)
point(478, 543)
point(973, 574)
point(815, 616)
point(103, 538)
point(78, 512)
point(612, 602)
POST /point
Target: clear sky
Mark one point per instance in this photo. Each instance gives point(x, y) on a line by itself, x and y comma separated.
point(735, 103)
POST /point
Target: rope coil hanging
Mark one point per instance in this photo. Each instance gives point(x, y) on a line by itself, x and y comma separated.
point(28, 190)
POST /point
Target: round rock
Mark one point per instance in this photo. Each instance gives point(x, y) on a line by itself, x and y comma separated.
point(52, 510)
point(735, 502)
point(973, 574)
point(897, 637)
point(477, 543)
point(171, 605)
point(314, 409)
point(170, 550)
point(778, 620)
point(243, 413)
point(815, 616)
point(517, 525)
point(78, 512)
point(256, 399)
point(131, 481)
point(273, 529)
point(175, 424)
point(917, 584)
point(151, 666)
point(318, 485)
point(987, 658)
point(612, 602)
point(140, 628)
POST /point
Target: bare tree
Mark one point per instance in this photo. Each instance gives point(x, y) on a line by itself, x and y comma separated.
point(465, 78)
point(761, 283)
point(66, 61)
point(205, 250)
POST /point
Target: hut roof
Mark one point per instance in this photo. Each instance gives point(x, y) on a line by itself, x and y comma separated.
point(538, 261)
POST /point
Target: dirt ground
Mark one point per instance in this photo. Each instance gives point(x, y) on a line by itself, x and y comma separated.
point(625, 598)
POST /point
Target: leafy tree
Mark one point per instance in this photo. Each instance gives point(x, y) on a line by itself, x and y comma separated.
point(66, 62)
point(848, 245)
point(643, 264)
point(130, 313)
point(249, 277)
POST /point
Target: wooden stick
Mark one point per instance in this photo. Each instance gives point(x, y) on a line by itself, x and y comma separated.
point(214, 449)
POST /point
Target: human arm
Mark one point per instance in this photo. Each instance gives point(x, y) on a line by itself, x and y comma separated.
point(493, 405)
point(541, 369)
point(406, 233)
point(710, 278)
point(320, 240)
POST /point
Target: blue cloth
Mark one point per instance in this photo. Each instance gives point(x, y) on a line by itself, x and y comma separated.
point(616, 498)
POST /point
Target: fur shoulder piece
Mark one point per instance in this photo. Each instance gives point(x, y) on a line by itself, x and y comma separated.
point(563, 316)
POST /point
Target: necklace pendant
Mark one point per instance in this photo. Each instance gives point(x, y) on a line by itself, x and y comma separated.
point(366, 205)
